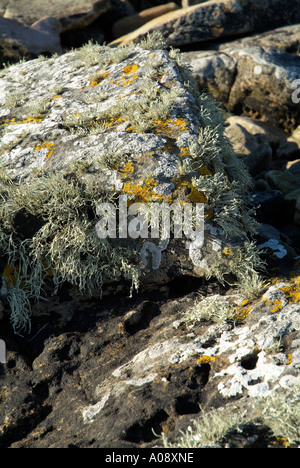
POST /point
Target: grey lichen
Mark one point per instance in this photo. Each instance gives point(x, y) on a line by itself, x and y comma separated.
point(63, 244)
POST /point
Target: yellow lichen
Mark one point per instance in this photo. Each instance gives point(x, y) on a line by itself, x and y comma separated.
point(127, 71)
point(206, 360)
point(142, 193)
point(101, 76)
point(45, 145)
point(292, 292)
point(130, 69)
point(289, 359)
point(127, 169)
point(276, 305)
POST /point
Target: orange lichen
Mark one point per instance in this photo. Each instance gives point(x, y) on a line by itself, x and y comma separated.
point(168, 127)
point(101, 76)
point(142, 192)
point(127, 71)
point(292, 292)
point(19, 122)
point(127, 169)
point(289, 359)
point(130, 69)
point(46, 145)
point(206, 360)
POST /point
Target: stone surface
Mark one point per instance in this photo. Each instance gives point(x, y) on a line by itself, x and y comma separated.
point(257, 82)
point(286, 38)
point(71, 13)
point(89, 377)
point(18, 41)
point(216, 19)
point(130, 23)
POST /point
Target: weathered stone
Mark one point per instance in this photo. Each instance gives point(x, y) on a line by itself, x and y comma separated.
point(263, 131)
point(125, 123)
point(288, 149)
point(263, 86)
point(85, 380)
point(245, 134)
point(258, 82)
point(213, 71)
point(293, 167)
point(286, 38)
point(284, 181)
point(215, 19)
point(71, 13)
point(130, 23)
point(18, 41)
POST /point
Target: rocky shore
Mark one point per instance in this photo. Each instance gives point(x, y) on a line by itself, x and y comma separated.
point(143, 343)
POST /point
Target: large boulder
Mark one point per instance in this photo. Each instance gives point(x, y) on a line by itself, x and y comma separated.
point(18, 41)
point(100, 130)
point(70, 13)
point(217, 19)
point(260, 82)
point(122, 373)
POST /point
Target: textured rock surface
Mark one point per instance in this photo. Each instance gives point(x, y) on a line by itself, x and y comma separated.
point(18, 41)
point(240, 77)
point(71, 13)
point(132, 128)
point(130, 23)
point(108, 374)
point(215, 19)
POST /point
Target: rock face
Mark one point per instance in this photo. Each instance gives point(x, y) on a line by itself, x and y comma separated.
point(71, 14)
point(117, 372)
point(216, 19)
point(240, 77)
point(18, 41)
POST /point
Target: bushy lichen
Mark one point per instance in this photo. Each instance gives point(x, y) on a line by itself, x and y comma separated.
point(57, 242)
point(64, 241)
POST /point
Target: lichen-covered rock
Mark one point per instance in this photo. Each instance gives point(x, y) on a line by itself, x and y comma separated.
point(216, 19)
point(118, 126)
point(132, 370)
point(240, 76)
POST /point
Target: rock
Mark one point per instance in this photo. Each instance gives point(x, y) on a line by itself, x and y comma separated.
point(270, 207)
point(18, 41)
point(130, 23)
point(245, 134)
point(284, 181)
point(71, 13)
point(127, 129)
point(248, 94)
point(262, 131)
point(288, 149)
point(286, 38)
point(293, 167)
point(259, 160)
point(188, 3)
point(217, 19)
point(293, 198)
point(249, 73)
point(213, 71)
point(90, 382)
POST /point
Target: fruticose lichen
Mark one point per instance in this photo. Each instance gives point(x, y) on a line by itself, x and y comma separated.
point(59, 241)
